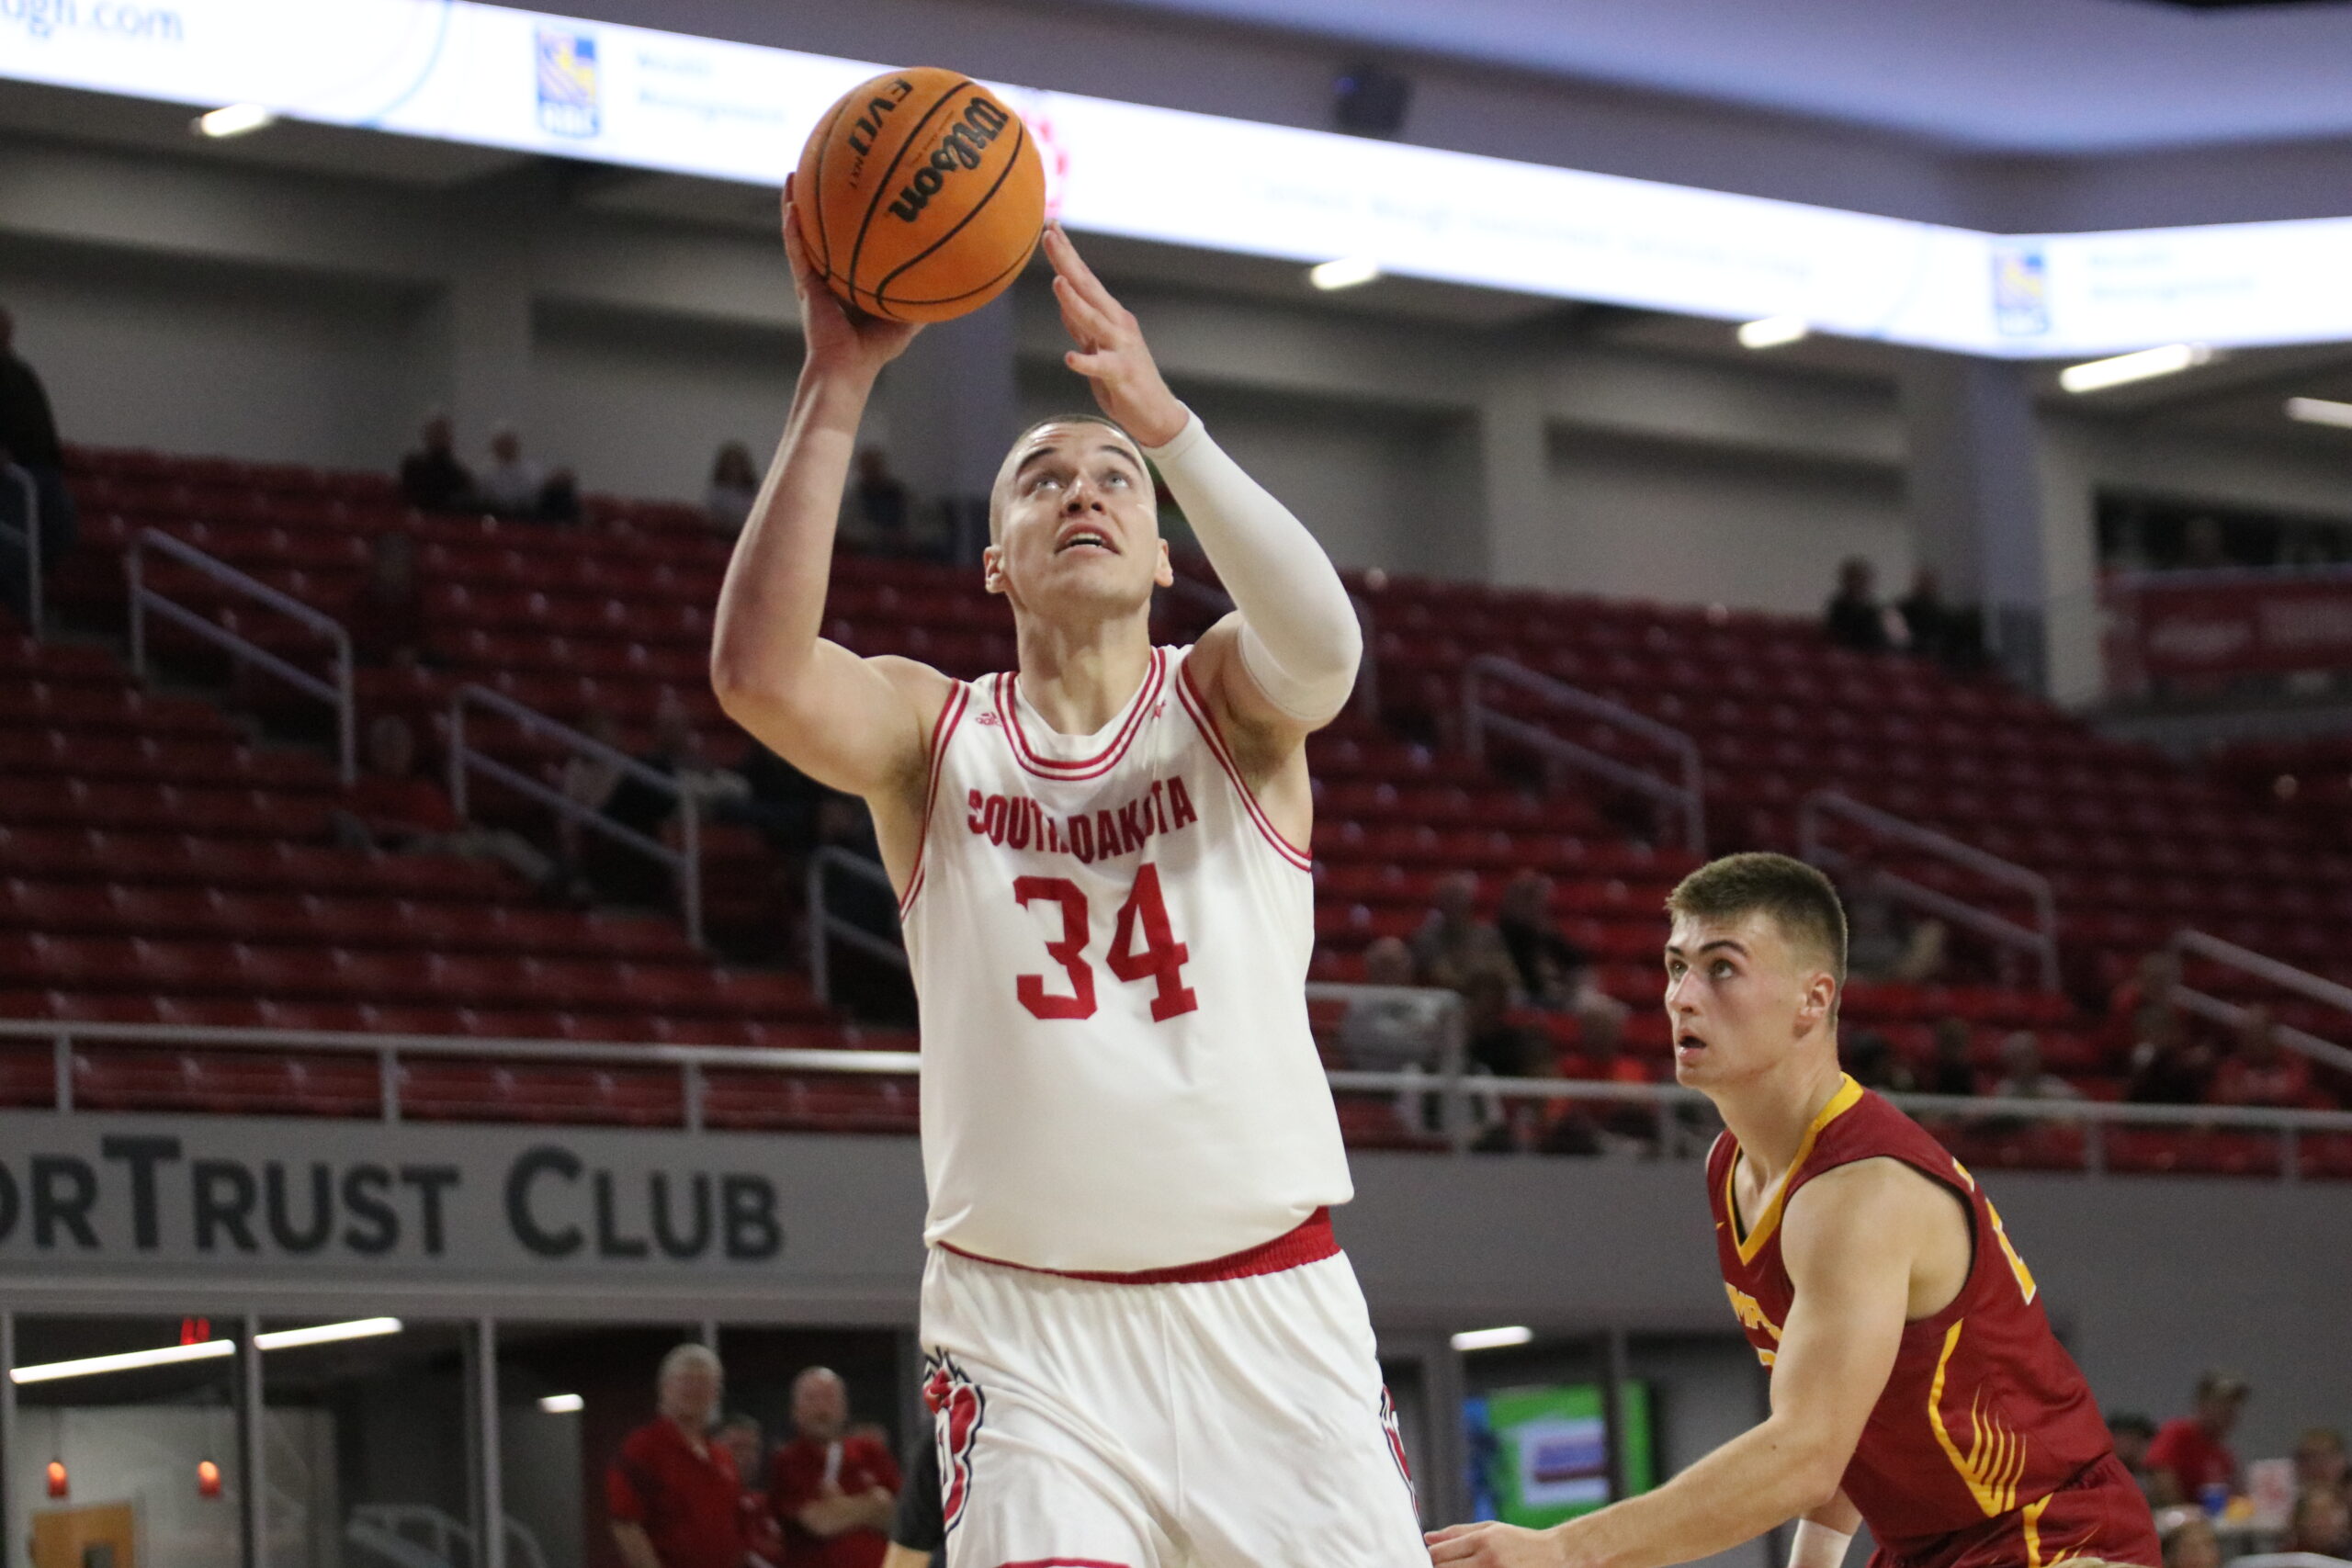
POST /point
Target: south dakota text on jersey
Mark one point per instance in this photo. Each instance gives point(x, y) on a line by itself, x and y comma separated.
point(1019, 822)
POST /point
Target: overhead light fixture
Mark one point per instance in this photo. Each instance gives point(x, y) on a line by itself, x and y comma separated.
point(2320, 411)
point(2097, 375)
point(1348, 272)
point(562, 1403)
point(205, 1350)
point(237, 120)
point(1492, 1338)
point(1774, 331)
point(327, 1333)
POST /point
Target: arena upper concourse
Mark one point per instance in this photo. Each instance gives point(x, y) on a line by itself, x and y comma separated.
point(1917, 439)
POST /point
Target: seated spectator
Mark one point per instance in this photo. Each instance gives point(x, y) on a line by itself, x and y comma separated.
point(746, 1443)
point(1553, 972)
point(1928, 622)
point(2193, 1451)
point(560, 497)
point(511, 486)
point(1854, 618)
point(1453, 946)
point(1880, 948)
point(1871, 1062)
point(2131, 1432)
point(616, 869)
point(432, 479)
point(1603, 1045)
point(1385, 1034)
point(2320, 1460)
point(2022, 1074)
point(779, 800)
point(734, 485)
point(2165, 1068)
point(1495, 1045)
point(1949, 1070)
point(29, 441)
point(2153, 980)
point(2322, 1523)
point(2188, 1539)
point(392, 807)
point(880, 507)
point(386, 617)
point(2259, 1071)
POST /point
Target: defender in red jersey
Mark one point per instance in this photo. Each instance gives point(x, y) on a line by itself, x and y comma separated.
point(1915, 1381)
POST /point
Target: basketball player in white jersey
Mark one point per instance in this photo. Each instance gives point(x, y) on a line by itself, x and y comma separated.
point(1144, 1347)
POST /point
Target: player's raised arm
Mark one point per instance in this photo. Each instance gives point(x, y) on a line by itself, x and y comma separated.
point(855, 724)
point(1285, 664)
point(1836, 1351)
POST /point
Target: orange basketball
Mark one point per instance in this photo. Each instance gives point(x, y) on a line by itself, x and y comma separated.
point(920, 196)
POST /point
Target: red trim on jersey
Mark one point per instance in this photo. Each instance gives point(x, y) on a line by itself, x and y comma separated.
point(1310, 1241)
point(1008, 708)
point(1197, 706)
point(942, 729)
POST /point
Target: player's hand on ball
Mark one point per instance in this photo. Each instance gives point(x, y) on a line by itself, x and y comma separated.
point(1110, 353)
point(1492, 1545)
point(838, 337)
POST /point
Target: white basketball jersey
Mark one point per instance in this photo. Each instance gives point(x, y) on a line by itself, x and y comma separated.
point(1110, 944)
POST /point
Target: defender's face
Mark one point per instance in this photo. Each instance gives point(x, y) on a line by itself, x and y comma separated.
point(1078, 525)
point(1739, 997)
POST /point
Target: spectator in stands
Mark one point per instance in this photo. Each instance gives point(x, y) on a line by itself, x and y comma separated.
point(1453, 946)
point(392, 807)
point(1928, 622)
point(779, 800)
point(1602, 1043)
point(2166, 1068)
point(746, 1444)
point(673, 1492)
point(1949, 1069)
point(734, 485)
point(2322, 1523)
point(1553, 972)
point(2320, 1460)
point(833, 1490)
point(559, 497)
point(2260, 1071)
point(386, 617)
point(618, 871)
point(2193, 1451)
point(881, 509)
point(2131, 1432)
point(1880, 948)
point(1871, 1062)
point(1386, 1034)
point(432, 479)
point(1494, 1044)
point(28, 440)
point(1855, 618)
point(512, 485)
point(2023, 1076)
point(2187, 1534)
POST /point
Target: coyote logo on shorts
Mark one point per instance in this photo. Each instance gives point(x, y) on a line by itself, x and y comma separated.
point(1388, 1424)
point(956, 1404)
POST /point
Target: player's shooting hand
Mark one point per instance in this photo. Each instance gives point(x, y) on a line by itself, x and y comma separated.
point(839, 338)
point(1110, 353)
point(1492, 1545)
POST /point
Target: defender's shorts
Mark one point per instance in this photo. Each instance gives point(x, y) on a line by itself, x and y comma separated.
point(1214, 1416)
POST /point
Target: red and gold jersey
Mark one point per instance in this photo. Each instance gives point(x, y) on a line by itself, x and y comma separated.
point(1986, 1450)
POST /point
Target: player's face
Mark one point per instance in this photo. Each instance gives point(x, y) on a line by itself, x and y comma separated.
point(1739, 997)
point(1079, 528)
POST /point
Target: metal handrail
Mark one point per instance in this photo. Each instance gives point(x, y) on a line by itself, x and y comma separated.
point(684, 862)
point(1367, 698)
point(36, 599)
point(1689, 794)
point(825, 928)
point(2041, 941)
point(1453, 1080)
point(145, 601)
point(2286, 977)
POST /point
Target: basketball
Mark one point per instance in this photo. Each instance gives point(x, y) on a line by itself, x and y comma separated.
point(920, 196)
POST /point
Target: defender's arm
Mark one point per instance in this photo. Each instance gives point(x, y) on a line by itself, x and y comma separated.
point(1843, 1239)
point(858, 724)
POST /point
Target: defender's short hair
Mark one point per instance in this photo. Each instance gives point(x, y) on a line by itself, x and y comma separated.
point(996, 500)
point(1799, 899)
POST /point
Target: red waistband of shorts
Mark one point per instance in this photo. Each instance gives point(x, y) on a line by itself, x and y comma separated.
point(1311, 1241)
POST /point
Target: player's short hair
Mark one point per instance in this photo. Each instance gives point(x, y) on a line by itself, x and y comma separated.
point(1798, 898)
point(996, 491)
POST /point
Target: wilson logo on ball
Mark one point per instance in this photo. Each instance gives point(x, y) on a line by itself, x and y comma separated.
point(962, 149)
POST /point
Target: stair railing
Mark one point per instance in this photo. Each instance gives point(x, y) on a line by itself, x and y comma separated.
point(1680, 787)
point(2191, 943)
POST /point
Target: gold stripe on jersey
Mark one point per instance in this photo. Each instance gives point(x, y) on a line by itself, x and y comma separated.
point(1995, 1456)
point(1849, 1095)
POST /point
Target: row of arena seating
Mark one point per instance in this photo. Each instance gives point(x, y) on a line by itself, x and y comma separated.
point(175, 870)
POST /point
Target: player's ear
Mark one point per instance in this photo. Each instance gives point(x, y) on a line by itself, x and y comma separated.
point(1818, 1003)
point(992, 568)
point(1164, 573)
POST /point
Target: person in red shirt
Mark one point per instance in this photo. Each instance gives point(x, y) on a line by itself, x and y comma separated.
point(2193, 1451)
point(762, 1537)
point(673, 1492)
point(833, 1490)
point(2259, 1071)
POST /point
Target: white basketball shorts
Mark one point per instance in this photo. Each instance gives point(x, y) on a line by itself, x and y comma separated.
point(1206, 1418)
